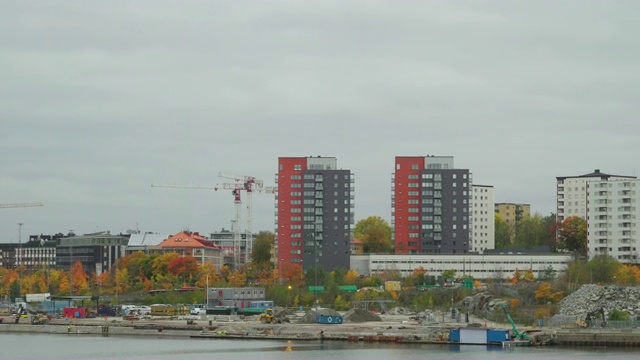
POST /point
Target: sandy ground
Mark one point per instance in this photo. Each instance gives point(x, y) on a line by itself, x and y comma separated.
point(400, 326)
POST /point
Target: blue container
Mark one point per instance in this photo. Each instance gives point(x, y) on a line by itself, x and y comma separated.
point(454, 335)
point(329, 319)
point(497, 336)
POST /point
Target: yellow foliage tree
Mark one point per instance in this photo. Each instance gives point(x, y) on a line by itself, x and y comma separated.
point(477, 284)
point(529, 276)
point(122, 281)
point(237, 279)
point(64, 285)
point(544, 293)
point(351, 277)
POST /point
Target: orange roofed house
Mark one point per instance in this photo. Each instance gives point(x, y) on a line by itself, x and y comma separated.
point(187, 243)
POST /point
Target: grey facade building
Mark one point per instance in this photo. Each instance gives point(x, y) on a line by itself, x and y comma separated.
point(431, 201)
point(315, 216)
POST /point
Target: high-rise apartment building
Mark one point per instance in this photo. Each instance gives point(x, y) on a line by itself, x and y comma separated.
point(314, 220)
point(483, 227)
point(430, 206)
point(572, 193)
point(613, 219)
point(512, 213)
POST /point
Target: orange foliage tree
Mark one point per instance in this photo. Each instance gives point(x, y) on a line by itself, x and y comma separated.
point(185, 267)
point(544, 293)
point(80, 279)
point(292, 273)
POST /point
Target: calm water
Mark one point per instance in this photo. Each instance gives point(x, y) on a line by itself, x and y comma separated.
point(53, 347)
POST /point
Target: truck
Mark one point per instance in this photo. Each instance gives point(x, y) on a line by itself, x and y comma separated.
point(31, 298)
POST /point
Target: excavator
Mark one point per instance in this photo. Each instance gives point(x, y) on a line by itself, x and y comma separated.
point(591, 319)
point(516, 334)
point(35, 318)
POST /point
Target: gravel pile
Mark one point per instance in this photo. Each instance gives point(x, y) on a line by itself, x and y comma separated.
point(359, 315)
point(592, 297)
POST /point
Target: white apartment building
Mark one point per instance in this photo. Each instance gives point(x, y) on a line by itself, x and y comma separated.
point(482, 218)
point(571, 193)
point(613, 217)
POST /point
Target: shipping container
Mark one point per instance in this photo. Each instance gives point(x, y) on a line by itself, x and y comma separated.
point(329, 319)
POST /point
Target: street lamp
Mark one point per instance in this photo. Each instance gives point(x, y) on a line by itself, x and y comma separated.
point(289, 296)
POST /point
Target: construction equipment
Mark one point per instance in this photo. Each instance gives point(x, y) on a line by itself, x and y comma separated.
point(249, 184)
point(591, 319)
point(19, 205)
point(34, 317)
point(516, 334)
point(269, 317)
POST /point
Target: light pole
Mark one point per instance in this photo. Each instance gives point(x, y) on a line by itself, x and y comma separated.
point(19, 256)
point(289, 296)
point(207, 304)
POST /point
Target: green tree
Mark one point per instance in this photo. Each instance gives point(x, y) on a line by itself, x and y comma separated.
point(602, 269)
point(14, 290)
point(261, 251)
point(375, 234)
point(503, 232)
point(532, 231)
point(572, 236)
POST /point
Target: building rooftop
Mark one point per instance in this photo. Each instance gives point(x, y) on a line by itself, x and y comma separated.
point(595, 174)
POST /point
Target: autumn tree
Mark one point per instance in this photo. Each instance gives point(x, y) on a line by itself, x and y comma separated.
point(121, 281)
point(572, 236)
point(351, 277)
point(544, 293)
point(186, 267)
point(375, 234)
point(161, 263)
point(418, 275)
point(292, 273)
point(236, 278)
point(78, 279)
point(627, 275)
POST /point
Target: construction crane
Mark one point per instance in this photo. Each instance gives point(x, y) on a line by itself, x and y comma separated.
point(249, 184)
point(19, 205)
point(242, 183)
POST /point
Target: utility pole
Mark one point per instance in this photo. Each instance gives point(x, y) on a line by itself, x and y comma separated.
point(19, 256)
point(71, 266)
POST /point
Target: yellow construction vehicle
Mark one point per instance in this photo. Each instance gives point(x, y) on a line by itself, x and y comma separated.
point(269, 317)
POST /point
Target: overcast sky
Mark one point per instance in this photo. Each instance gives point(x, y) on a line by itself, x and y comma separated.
point(98, 100)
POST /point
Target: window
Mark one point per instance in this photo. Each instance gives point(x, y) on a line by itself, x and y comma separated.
point(297, 167)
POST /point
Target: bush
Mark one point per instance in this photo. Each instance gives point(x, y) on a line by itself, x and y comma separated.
point(616, 314)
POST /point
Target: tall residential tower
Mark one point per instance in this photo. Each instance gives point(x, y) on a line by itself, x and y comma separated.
point(430, 206)
point(314, 219)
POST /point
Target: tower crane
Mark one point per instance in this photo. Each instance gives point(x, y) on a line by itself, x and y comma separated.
point(242, 183)
point(249, 184)
point(19, 205)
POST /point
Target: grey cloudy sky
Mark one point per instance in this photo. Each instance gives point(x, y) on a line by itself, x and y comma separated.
point(98, 100)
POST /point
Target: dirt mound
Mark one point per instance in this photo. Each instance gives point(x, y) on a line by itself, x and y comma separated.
point(400, 311)
point(360, 315)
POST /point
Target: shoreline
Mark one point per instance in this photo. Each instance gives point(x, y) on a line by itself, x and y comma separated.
point(386, 331)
